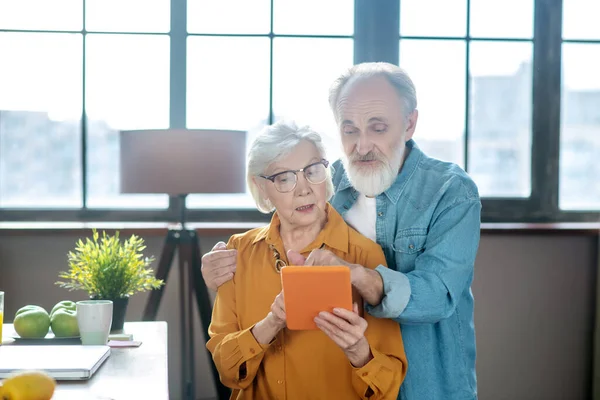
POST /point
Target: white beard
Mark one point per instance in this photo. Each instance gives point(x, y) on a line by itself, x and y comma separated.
point(373, 180)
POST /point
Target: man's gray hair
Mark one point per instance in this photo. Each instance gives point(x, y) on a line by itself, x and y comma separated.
point(271, 145)
point(395, 75)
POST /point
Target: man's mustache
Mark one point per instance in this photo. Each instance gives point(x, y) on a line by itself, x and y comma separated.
point(370, 156)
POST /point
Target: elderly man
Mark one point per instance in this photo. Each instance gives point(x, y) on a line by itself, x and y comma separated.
point(424, 213)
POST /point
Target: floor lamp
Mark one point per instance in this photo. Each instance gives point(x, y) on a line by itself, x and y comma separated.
point(179, 162)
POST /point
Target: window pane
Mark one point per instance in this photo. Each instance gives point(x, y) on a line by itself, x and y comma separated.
point(313, 17)
point(437, 68)
point(65, 15)
point(433, 17)
point(40, 109)
point(500, 118)
point(250, 16)
point(580, 134)
point(219, 88)
point(128, 15)
point(580, 19)
point(127, 87)
point(303, 71)
point(502, 18)
point(221, 95)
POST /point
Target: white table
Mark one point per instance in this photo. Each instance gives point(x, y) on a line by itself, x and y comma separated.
point(129, 373)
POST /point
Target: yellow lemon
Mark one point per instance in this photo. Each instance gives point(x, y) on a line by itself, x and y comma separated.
point(28, 385)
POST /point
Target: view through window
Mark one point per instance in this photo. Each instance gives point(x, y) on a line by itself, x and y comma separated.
point(473, 82)
point(580, 131)
point(292, 70)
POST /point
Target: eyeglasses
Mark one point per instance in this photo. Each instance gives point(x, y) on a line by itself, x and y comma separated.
point(286, 181)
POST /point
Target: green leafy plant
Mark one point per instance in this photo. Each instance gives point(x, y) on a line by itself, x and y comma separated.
point(109, 269)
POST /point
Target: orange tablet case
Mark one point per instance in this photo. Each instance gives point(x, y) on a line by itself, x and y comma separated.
point(309, 290)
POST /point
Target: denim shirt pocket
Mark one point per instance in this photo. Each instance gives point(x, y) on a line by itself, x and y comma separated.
point(407, 245)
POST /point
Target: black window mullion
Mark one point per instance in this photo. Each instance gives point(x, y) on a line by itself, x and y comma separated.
point(546, 108)
point(177, 78)
point(467, 87)
point(178, 64)
point(271, 117)
point(376, 30)
point(83, 122)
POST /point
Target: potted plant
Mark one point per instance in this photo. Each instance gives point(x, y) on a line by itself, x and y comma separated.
point(108, 269)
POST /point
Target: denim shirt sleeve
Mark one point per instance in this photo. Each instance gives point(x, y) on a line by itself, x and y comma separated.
point(430, 292)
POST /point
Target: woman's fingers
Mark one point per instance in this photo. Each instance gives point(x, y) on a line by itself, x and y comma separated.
point(344, 319)
point(278, 307)
point(341, 338)
point(339, 323)
point(352, 317)
point(339, 330)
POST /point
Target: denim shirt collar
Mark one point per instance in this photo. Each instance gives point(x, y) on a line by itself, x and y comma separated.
point(406, 172)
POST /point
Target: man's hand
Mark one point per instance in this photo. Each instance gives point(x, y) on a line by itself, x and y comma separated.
point(317, 257)
point(368, 282)
point(347, 329)
point(218, 266)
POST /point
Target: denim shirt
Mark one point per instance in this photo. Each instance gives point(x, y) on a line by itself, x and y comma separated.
point(428, 224)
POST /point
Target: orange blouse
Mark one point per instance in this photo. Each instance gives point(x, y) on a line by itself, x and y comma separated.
point(297, 364)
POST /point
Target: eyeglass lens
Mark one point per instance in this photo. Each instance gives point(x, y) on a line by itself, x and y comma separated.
point(287, 181)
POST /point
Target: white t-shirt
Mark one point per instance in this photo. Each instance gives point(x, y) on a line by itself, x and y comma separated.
point(363, 216)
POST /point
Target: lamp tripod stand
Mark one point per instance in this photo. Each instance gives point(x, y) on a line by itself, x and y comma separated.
point(191, 284)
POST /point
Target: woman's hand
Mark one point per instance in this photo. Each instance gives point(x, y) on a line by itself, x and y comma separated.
point(347, 330)
point(265, 331)
point(278, 311)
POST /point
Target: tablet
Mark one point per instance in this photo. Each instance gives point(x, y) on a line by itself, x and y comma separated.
point(309, 290)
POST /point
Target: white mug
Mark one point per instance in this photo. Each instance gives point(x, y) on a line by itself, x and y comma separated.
point(94, 318)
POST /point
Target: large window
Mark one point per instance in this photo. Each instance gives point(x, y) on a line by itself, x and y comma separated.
point(473, 74)
point(507, 89)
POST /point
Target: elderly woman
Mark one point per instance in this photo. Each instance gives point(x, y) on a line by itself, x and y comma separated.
point(351, 356)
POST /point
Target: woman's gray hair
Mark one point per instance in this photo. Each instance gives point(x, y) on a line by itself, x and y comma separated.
point(395, 75)
point(271, 145)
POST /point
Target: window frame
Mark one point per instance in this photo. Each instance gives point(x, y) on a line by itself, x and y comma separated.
point(376, 38)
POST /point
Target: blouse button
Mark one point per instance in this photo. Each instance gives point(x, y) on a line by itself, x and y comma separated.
point(280, 381)
point(252, 351)
point(365, 373)
point(411, 246)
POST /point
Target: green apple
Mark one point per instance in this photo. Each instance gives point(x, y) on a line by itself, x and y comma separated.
point(64, 323)
point(63, 319)
point(64, 305)
point(32, 322)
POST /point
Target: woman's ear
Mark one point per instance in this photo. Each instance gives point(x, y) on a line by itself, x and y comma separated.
point(264, 196)
point(261, 187)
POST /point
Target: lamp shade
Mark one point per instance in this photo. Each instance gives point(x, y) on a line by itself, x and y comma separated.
point(183, 161)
